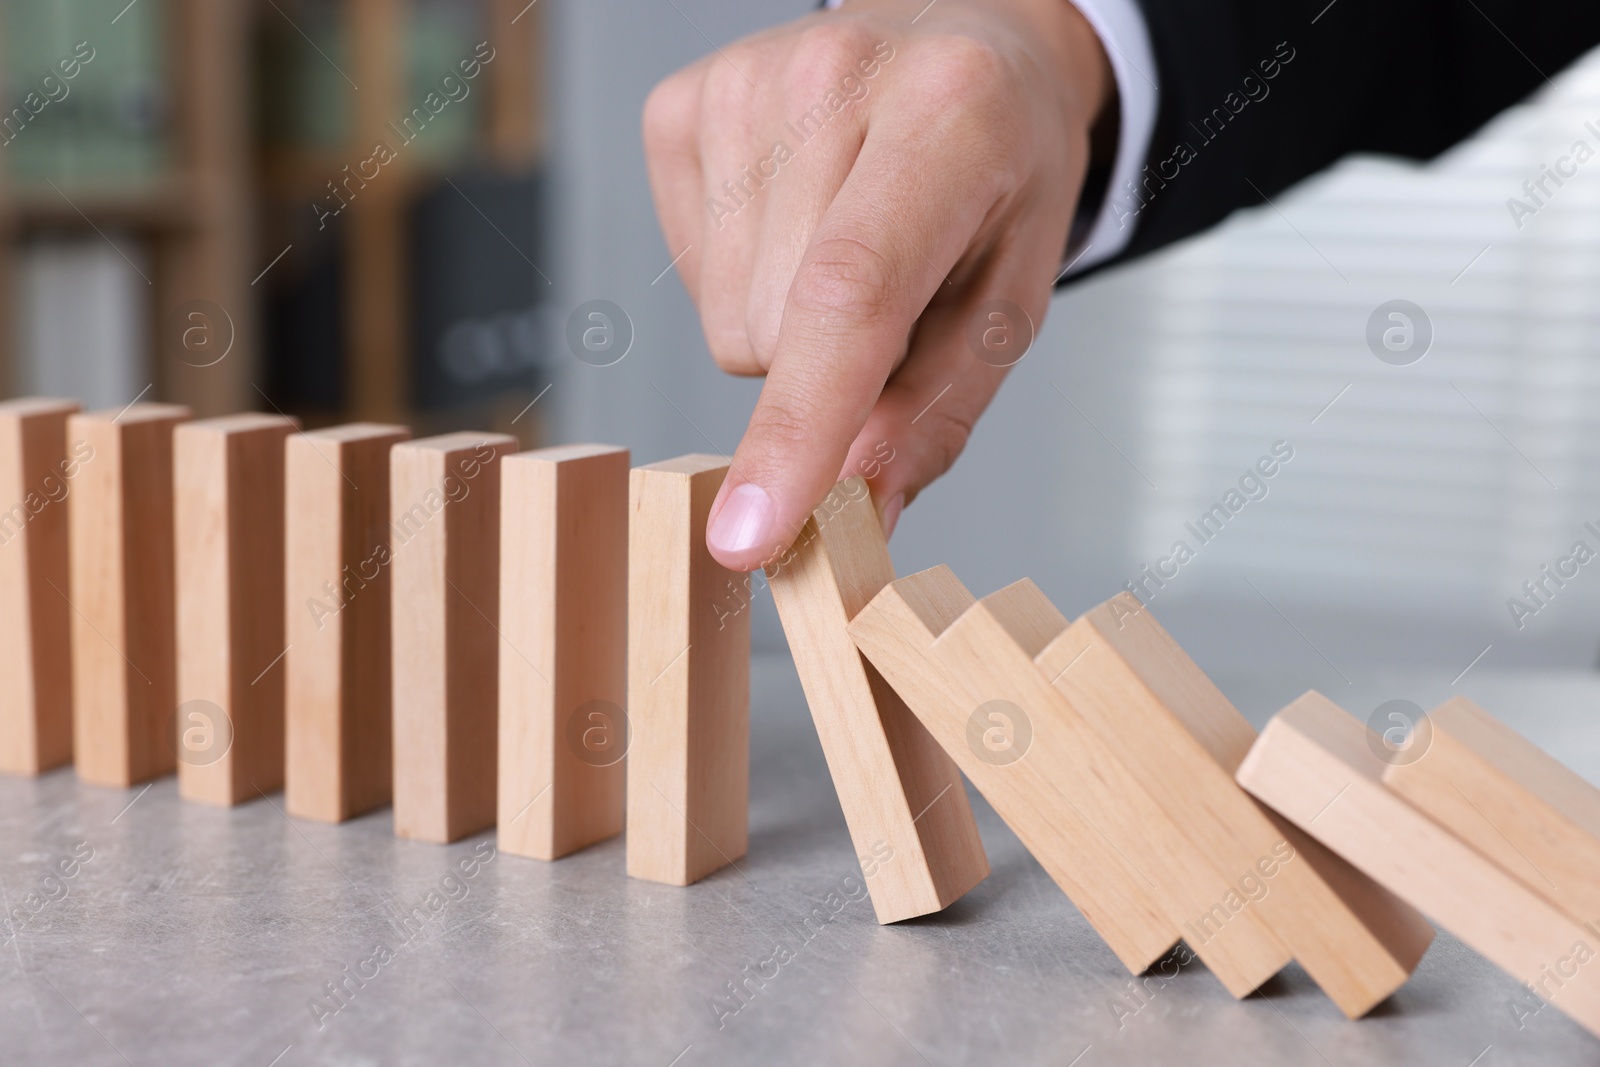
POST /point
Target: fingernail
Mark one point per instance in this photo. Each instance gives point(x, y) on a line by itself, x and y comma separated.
point(744, 521)
point(891, 514)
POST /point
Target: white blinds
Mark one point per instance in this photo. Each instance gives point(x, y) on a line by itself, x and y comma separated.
point(1441, 485)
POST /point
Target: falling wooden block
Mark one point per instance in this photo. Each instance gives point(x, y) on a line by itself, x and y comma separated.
point(228, 515)
point(444, 495)
point(688, 681)
point(1183, 740)
point(1316, 765)
point(564, 664)
point(120, 550)
point(337, 596)
point(1498, 792)
point(902, 795)
point(966, 669)
point(36, 472)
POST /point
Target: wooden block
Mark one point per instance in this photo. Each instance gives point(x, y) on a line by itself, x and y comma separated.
point(36, 472)
point(1176, 733)
point(228, 514)
point(902, 795)
point(337, 596)
point(688, 681)
point(124, 630)
point(966, 669)
point(564, 664)
point(444, 497)
point(1501, 794)
point(1315, 764)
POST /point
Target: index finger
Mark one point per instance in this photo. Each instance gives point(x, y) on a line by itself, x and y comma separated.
point(882, 251)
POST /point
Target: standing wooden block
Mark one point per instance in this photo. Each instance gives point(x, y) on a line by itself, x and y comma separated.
point(1317, 766)
point(337, 601)
point(1501, 794)
point(902, 795)
point(564, 667)
point(36, 471)
point(688, 681)
point(444, 495)
point(228, 511)
point(124, 663)
point(1180, 737)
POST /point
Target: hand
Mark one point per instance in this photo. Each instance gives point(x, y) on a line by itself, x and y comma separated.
point(852, 188)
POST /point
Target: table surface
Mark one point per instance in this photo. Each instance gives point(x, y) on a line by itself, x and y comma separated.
point(193, 935)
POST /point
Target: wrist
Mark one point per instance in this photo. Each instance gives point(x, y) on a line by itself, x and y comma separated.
point(1077, 55)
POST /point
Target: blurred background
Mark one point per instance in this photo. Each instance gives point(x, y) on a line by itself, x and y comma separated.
point(392, 209)
point(334, 207)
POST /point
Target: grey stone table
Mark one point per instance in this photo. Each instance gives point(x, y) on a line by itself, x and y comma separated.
point(148, 931)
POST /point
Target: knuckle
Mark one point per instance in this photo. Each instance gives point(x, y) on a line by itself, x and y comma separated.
point(670, 109)
point(948, 438)
point(962, 68)
point(973, 112)
point(782, 427)
point(732, 352)
point(845, 277)
point(727, 96)
point(825, 54)
point(967, 89)
point(762, 326)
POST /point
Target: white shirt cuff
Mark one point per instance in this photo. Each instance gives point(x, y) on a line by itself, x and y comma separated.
point(1121, 28)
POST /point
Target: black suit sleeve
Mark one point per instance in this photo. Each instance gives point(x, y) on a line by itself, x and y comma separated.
point(1257, 94)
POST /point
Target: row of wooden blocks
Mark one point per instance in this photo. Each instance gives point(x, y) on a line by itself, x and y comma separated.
point(515, 604)
point(330, 613)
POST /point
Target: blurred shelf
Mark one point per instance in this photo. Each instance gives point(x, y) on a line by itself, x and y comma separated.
point(304, 174)
point(382, 45)
point(179, 67)
point(243, 178)
point(161, 206)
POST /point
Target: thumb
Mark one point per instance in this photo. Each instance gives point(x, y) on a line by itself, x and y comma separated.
point(921, 422)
